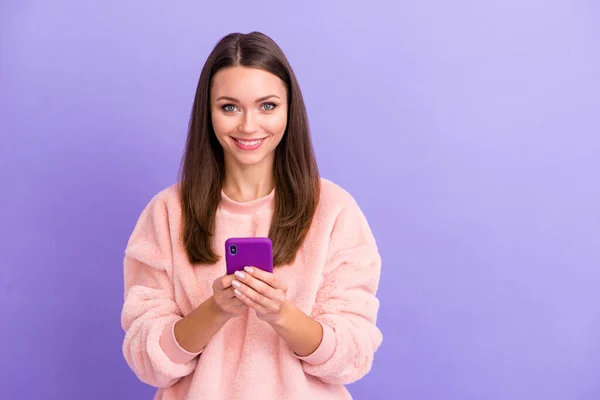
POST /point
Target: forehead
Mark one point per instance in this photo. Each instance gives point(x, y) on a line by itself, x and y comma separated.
point(246, 84)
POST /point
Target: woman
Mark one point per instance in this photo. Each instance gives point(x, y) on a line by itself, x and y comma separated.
point(301, 332)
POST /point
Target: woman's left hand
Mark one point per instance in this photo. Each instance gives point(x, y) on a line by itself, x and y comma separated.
point(261, 291)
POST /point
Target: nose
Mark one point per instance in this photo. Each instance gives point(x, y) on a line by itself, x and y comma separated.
point(249, 123)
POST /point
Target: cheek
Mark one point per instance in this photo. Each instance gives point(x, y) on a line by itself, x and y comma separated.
point(277, 124)
point(222, 125)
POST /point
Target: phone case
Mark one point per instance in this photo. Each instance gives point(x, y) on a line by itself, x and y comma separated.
point(250, 251)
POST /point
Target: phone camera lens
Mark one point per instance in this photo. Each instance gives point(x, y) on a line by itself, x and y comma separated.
point(233, 249)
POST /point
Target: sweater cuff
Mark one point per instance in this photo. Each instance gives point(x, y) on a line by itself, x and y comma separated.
point(172, 348)
point(325, 349)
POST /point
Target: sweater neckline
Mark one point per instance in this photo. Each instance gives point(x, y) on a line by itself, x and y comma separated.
point(247, 207)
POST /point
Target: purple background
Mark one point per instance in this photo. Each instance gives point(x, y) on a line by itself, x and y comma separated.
point(469, 133)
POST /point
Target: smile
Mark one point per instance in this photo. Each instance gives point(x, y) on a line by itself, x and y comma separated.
point(248, 144)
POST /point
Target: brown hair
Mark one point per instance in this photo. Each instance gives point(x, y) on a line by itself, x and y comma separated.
point(297, 183)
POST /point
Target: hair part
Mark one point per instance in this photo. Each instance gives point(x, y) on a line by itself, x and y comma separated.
point(202, 172)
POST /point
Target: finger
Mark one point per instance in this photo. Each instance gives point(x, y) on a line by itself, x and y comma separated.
point(224, 282)
point(267, 277)
point(228, 293)
point(224, 296)
point(253, 295)
point(256, 284)
point(232, 303)
point(248, 301)
point(237, 303)
point(264, 276)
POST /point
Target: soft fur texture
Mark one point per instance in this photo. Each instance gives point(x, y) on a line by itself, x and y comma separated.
point(334, 279)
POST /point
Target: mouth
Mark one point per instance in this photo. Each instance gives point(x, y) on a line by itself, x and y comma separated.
point(245, 144)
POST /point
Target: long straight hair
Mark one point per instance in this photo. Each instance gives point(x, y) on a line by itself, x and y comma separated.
point(202, 173)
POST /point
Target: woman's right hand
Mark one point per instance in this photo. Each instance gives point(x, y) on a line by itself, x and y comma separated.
point(228, 305)
point(195, 330)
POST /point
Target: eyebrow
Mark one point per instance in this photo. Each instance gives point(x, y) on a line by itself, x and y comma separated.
point(233, 99)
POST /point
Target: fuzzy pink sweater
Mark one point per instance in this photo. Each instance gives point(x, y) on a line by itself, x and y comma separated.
point(334, 279)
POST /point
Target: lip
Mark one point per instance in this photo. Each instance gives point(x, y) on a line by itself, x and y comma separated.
point(248, 147)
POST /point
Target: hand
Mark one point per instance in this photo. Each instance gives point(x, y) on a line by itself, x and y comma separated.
point(262, 292)
point(228, 305)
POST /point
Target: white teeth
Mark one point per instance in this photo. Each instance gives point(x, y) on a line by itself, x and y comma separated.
point(251, 143)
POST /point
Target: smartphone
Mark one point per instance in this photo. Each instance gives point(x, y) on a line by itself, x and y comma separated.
point(248, 251)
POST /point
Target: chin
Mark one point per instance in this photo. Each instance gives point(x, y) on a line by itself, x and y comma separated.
point(249, 160)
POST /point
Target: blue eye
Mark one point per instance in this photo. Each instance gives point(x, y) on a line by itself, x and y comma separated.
point(228, 108)
point(269, 106)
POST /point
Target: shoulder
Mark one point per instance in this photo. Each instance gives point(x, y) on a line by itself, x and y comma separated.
point(343, 219)
point(150, 241)
point(334, 198)
point(167, 198)
point(337, 206)
point(163, 207)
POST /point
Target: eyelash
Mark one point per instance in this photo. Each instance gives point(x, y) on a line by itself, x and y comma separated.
point(272, 105)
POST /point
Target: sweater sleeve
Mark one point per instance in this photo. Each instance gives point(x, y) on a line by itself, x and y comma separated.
point(149, 310)
point(346, 303)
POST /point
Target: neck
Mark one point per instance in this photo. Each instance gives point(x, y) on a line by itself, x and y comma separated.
point(247, 183)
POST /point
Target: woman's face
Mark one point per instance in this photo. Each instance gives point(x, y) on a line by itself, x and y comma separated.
point(249, 114)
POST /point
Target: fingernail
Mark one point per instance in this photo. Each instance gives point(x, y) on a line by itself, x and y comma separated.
point(249, 270)
point(236, 284)
point(240, 274)
point(237, 292)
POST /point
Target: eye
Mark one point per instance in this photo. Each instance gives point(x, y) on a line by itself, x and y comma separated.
point(269, 106)
point(228, 108)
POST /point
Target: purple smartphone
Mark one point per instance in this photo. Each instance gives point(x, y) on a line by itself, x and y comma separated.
point(249, 251)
